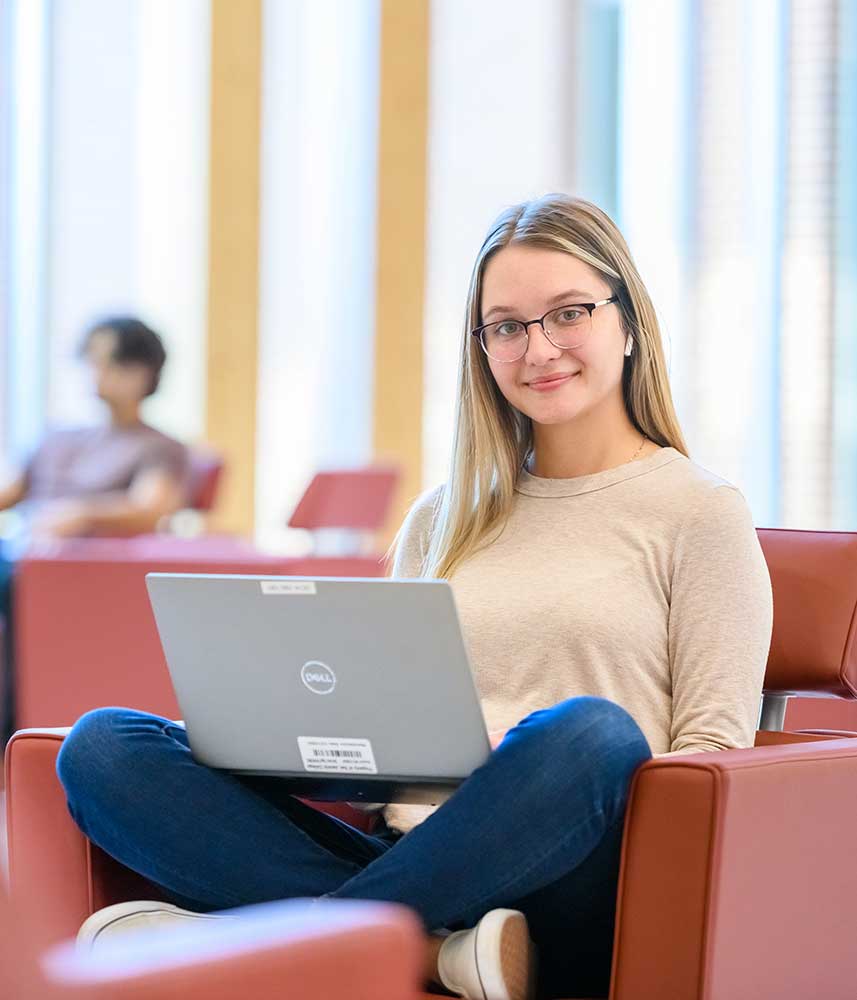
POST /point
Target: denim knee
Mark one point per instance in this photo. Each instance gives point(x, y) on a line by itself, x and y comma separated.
point(93, 752)
point(595, 728)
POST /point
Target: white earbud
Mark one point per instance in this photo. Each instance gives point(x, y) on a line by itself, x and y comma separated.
point(629, 345)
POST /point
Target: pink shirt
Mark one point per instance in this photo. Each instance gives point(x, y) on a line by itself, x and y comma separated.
point(84, 462)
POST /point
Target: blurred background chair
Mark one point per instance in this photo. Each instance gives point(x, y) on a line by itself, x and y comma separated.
point(206, 473)
point(343, 509)
point(736, 876)
point(206, 470)
point(85, 634)
point(280, 949)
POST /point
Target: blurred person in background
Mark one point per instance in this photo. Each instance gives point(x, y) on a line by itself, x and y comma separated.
point(120, 477)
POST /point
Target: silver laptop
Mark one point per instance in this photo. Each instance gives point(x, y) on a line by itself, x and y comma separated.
point(347, 689)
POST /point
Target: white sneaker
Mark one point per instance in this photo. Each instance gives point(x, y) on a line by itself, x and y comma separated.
point(123, 919)
point(495, 960)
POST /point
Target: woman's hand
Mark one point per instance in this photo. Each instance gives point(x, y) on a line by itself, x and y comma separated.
point(495, 737)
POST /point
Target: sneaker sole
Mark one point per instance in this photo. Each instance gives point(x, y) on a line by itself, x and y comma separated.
point(505, 956)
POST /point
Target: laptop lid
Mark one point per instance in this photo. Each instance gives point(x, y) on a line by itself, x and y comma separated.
point(350, 688)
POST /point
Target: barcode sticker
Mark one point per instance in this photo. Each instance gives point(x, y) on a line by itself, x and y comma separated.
point(337, 756)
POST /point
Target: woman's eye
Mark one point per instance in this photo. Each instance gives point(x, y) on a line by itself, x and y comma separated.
point(570, 315)
point(508, 329)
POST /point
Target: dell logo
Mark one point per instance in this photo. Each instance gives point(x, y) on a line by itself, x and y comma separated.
point(318, 677)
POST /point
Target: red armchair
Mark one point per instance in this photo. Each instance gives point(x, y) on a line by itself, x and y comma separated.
point(736, 878)
point(815, 605)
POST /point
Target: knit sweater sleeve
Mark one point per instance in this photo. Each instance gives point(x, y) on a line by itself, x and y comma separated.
point(720, 621)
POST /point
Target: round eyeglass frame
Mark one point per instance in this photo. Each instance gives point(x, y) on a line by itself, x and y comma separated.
point(590, 307)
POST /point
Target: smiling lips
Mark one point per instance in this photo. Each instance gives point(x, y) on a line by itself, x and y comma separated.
point(551, 381)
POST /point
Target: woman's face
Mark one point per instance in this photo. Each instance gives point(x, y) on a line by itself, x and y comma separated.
point(521, 283)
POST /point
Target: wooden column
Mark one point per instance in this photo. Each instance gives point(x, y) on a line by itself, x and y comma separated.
point(233, 267)
point(401, 229)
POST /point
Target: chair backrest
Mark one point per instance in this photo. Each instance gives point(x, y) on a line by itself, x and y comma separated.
point(347, 498)
point(206, 470)
point(814, 582)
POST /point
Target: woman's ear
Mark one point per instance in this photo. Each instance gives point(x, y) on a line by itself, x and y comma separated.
point(629, 345)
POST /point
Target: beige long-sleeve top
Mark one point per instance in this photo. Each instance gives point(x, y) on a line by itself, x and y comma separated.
point(644, 584)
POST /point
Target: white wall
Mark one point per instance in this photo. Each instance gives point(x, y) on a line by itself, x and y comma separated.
point(652, 164)
point(500, 131)
point(317, 261)
point(172, 111)
point(128, 192)
point(701, 174)
point(23, 215)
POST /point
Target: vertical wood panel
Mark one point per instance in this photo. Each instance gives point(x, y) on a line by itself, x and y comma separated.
point(403, 123)
point(233, 270)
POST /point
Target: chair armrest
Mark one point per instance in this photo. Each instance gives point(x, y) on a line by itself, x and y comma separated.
point(340, 950)
point(736, 877)
point(49, 857)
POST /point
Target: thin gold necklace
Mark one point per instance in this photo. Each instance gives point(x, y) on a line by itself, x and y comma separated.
point(528, 466)
point(637, 452)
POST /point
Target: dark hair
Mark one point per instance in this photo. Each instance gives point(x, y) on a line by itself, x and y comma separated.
point(136, 344)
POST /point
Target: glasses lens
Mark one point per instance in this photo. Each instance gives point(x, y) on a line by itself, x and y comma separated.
point(568, 326)
point(506, 341)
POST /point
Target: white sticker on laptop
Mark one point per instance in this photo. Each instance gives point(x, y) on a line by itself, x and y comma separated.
point(286, 587)
point(337, 756)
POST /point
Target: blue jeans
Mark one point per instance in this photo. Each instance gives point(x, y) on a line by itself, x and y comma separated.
point(537, 828)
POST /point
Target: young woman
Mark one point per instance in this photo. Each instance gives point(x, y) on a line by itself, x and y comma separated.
point(616, 605)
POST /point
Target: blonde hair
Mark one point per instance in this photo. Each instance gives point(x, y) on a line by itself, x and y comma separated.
point(493, 440)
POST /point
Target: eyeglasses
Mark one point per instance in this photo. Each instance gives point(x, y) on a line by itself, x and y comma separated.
point(566, 327)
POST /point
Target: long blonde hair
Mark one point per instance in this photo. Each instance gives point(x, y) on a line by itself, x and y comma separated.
point(493, 440)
